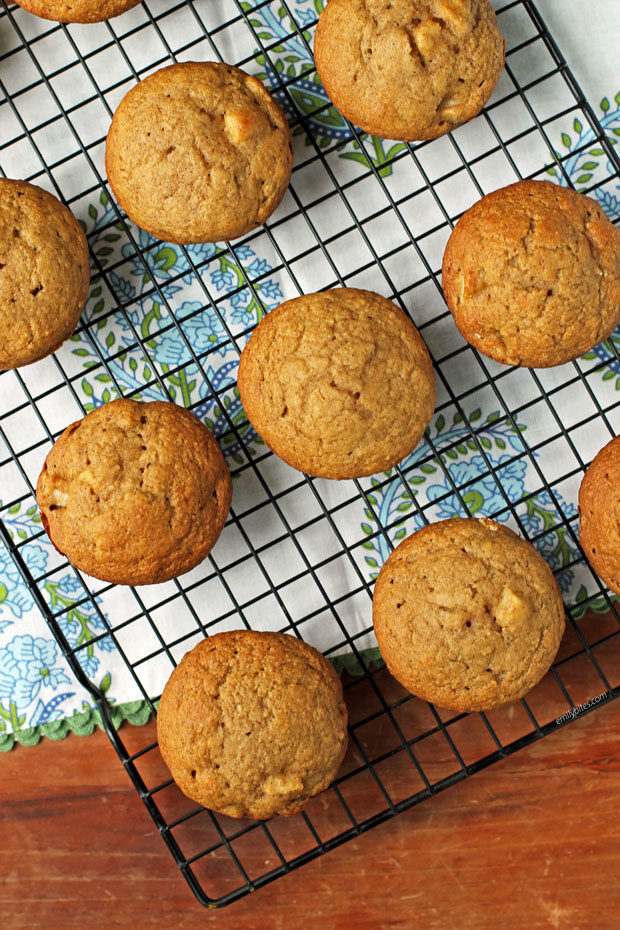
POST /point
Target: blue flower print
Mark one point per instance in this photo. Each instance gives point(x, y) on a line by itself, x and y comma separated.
point(170, 349)
point(609, 202)
point(270, 290)
point(564, 578)
point(541, 512)
point(163, 259)
point(259, 266)
point(106, 644)
point(483, 496)
point(243, 313)
point(305, 17)
point(201, 251)
point(222, 279)
point(205, 331)
point(71, 585)
point(123, 289)
point(35, 558)
point(14, 594)
point(240, 299)
point(242, 316)
point(244, 252)
point(512, 477)
point(27, 665)
point(89, 664)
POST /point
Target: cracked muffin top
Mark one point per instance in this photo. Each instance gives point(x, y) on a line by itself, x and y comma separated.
point(339, 384)
point(77, 11)
point(408, 69)
point(199, 152)
point(531, 274)
point(467, 614)
point(135, 493)
point(252, 724)
point(44, 273)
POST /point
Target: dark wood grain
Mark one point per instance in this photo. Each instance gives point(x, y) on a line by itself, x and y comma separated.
point(531, 842)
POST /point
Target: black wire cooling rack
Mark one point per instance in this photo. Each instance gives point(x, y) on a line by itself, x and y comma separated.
point(402, 750)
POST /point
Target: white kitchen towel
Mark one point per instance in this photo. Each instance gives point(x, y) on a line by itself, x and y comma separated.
point(509, 443)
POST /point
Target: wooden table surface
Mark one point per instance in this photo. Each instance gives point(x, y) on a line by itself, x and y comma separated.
point(531, 842)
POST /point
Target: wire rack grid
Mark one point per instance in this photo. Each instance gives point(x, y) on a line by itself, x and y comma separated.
point(359, 212)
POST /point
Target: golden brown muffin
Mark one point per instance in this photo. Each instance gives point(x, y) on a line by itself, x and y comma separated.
point(599, 514)
point(253, 724)
point(408, 69)
point(77, 11)
point(467, 614)
point(44, 273)
point(531, 274)
point(135, 493)
point(199, 152)
point(339, 383)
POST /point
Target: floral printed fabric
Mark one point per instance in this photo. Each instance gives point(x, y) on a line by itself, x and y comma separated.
point(141, 290)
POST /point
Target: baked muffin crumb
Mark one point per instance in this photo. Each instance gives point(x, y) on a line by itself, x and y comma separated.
point(408, 69)
point(77, 11)
point(338, 383)
point(252, 724)
point(199, 152)
point(135, 493)
point(467, 614)
point(44, 273)
point(531, 274)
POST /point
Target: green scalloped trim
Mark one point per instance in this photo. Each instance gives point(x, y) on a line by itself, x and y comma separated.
point(82, 724)
point(138, 712)
point(598, 605)
point(347, 662)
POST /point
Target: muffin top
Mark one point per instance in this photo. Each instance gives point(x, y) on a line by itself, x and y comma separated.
point(135, 493)
point(252, 724)
point(467, 614)
point(44, 273)
point(199, 152)
point(599, 514)
point(339, 383)
point(531, 274)
point(408, 69)
point(77, 11)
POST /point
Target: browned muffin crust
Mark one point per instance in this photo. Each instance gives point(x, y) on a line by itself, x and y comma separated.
point(135, 493)
point(599, 514)
point(77, 11)
point(199, 152)
point(531, 274)
point(338, 383)
point(408, 69)
point(44, 273)
point(467, 614)
point(253, 724)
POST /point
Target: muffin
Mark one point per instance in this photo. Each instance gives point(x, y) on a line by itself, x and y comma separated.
point(531, 274)
point(339, 383)
point(135, 493)
point(44, 273)
point(199, 152)
point(408, 69)
point(252, 724)
point(77, 11)
point(467, 614)
point(599, 514)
